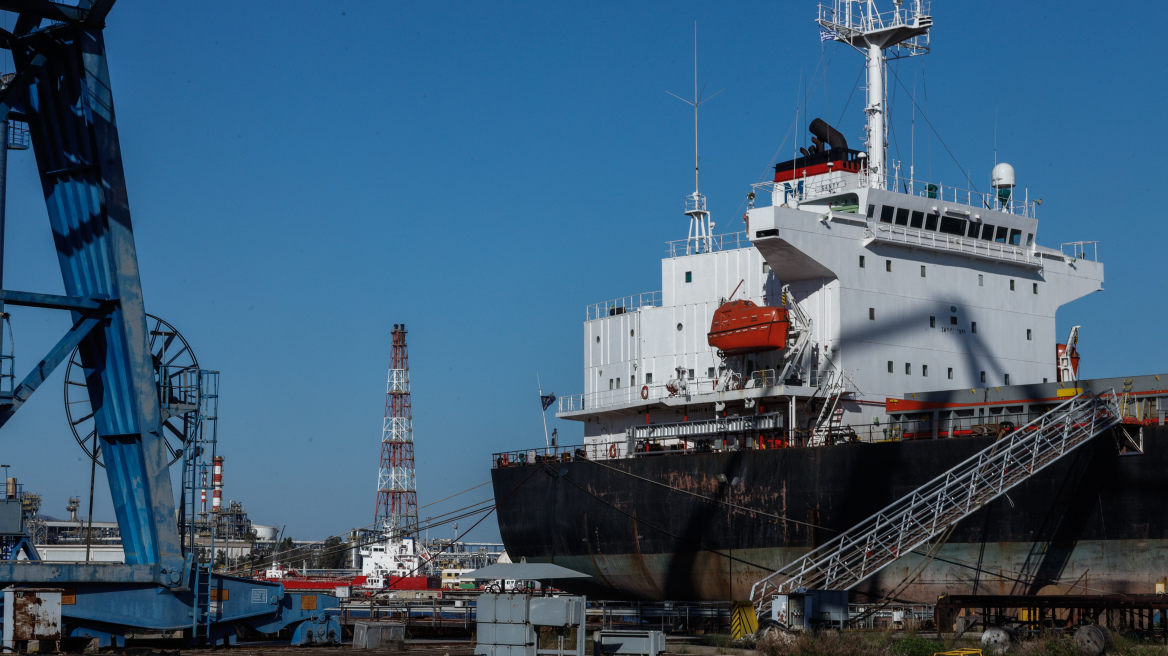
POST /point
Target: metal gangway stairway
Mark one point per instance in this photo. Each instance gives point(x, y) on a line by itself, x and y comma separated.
point(910, 522)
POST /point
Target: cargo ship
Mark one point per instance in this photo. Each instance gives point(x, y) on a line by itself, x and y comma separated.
point(917, 325)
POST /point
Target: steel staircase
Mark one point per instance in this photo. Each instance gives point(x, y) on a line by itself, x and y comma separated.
point(873, 544)
point(828, 417)
point(202, 611)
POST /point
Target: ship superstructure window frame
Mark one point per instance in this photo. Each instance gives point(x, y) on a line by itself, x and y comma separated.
point(983, 378)
point(888, 266)
point(908, 368)
point(886, 213)
point(1007, 379)
point(1011, 284)
point(931, 221)
point(952, 225)
point(974, 229)
point(973, 326)
point(902, 216)
point(980, 280)
point(1001, 234)
point(710, 372)
point(987, 232)
point(952, 320)
point(917, 220)
point(1035, 288)
point(1015, 237)
point(871, 314)
point(950, 373)
point(871, 211)
point(890, 366)
point(1028, 335)
point(932, 322)
point(922, 271)
point(925, 370)
point(610, 383)
point(649, 378)
point(862, 262)
point(689, 276)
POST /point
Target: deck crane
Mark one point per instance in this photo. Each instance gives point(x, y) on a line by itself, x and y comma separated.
point(875, 543)
point(61, 89)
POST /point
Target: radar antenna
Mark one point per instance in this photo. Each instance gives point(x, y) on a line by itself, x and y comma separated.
point(700, 238)
point(903, 32)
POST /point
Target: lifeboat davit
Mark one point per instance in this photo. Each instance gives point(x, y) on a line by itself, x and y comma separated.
point(743, 327)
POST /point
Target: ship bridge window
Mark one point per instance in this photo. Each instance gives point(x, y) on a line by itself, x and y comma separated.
point(902, 216)
point(987, 232)
point(1030, 239)
point(918, 219)
point(931, 221)
point(1000, 235)
point(1016, 237)
point(886, 213)
point(974, 229)
point(871, 210)
point(952, 226)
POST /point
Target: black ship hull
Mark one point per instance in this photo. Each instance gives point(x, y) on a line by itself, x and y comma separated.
point(667, 527)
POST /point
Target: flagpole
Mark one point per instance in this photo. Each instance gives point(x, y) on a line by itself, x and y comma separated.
point(542, 412)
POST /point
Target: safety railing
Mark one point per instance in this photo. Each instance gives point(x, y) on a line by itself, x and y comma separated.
point(913, 520)
point(622, 305)
point(798, 190)
point(1081, 250)
point(724, 242)
point(540, 455)
point(656, 391)
point(943, 241)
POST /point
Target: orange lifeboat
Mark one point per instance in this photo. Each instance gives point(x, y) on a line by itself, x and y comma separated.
point(743, 327)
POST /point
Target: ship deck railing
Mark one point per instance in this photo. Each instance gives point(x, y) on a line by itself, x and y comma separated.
point(698, 385)
point(770, 435)
point(784, 192)
point(725, 242)
point(944, 241)
point(1081, 250)
point(630, 303)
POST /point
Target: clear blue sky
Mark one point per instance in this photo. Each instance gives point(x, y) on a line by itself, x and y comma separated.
point(304, 175)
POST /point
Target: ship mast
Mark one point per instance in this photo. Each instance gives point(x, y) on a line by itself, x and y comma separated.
point(902, 32)
point(700, 238)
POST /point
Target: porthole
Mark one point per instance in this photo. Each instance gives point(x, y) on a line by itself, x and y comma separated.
point(679, 327)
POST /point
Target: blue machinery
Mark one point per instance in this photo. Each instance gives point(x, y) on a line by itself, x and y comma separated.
point(61, 89)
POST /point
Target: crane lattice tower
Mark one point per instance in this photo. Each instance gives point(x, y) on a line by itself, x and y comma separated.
point(397, 497)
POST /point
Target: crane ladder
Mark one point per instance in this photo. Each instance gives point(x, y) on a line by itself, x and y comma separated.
point(873, 544)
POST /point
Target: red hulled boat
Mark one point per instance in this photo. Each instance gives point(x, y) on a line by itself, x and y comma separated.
point(743, 327)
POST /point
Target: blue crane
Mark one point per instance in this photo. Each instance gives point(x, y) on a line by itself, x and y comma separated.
point(61, 89)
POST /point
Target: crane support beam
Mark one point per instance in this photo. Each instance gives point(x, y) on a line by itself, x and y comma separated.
point(80, 330)
point(51, 301)
point(64, 94)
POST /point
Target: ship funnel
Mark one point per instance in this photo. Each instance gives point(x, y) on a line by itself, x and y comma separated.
point(827, 134)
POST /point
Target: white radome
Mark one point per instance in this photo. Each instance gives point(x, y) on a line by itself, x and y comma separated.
point(1003, 176)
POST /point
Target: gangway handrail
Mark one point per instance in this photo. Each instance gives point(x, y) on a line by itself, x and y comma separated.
point(909, 522)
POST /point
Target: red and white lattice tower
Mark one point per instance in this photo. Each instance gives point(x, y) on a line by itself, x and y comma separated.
point(397, 497)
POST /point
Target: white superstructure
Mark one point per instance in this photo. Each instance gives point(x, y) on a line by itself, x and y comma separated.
point(906, 286)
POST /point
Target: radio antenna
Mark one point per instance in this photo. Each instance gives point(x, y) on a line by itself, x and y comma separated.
point(700, 239)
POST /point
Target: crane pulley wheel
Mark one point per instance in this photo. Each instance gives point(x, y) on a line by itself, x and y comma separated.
point(172, 357)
